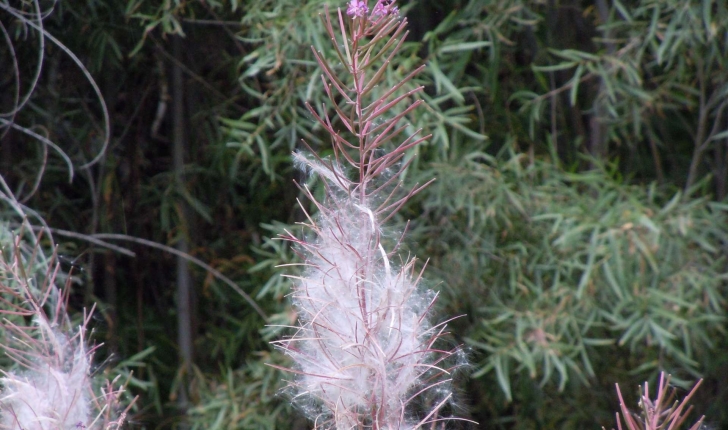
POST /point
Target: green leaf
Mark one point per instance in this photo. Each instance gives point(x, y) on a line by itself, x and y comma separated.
point(721, 135)
point(574, 82)
point(443, 81)
point(463, 46)
point(556, 67)
point(197, 205)
point(623, 10)
point(502, 371)
point(586, 275)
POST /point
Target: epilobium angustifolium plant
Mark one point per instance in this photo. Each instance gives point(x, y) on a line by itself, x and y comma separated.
point(52, 387)
point(664, 412)
point(364, 349)
point(48, 381)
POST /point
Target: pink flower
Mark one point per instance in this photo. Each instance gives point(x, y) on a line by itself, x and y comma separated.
point(385, 7)
point(357, 8)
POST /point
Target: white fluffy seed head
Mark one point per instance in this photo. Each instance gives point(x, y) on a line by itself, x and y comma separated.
point(53, 392)
point(363, 339)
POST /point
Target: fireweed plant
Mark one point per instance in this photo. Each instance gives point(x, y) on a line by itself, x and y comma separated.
point(47, 379)
point(52, 386)
point(365, 352)
point(664, 412)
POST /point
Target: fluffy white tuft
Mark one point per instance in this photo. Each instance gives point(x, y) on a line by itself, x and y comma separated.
point(364, 340)
point(52, 393)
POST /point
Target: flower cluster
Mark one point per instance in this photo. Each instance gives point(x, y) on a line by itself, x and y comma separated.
point(359, 8)
point(385, 7)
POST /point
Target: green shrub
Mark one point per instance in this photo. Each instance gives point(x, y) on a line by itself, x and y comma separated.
point(573, 279)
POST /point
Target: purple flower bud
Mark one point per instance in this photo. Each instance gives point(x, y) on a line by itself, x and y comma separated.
point(357, 8)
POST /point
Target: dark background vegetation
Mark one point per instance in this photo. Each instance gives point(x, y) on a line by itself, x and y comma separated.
point(578, 219)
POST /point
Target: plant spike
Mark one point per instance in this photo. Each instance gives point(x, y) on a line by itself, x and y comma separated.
point(364, 349)
point(665, 412)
